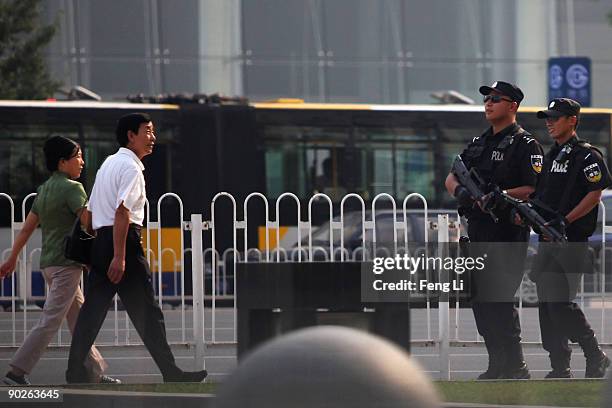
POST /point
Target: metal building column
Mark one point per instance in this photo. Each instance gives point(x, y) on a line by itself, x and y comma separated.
point(220, 47)
point(532, 51)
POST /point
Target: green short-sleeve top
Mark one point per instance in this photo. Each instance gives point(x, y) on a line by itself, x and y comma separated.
point(57, 204)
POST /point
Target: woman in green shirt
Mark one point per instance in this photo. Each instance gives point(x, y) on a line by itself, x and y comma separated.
point(58, 201)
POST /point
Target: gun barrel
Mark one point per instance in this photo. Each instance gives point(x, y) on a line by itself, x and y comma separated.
point(533, 218)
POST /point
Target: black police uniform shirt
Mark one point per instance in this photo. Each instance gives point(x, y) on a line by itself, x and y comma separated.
point(590, 173)
point(510, 158)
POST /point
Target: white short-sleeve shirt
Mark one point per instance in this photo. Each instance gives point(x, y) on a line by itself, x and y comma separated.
point(119, 180)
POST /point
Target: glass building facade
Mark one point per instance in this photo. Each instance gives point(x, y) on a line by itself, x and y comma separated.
point(391, 51)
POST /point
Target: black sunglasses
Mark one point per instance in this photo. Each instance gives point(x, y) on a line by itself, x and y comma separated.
point(495, 99)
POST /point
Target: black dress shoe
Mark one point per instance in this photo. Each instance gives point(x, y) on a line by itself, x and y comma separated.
point(188, 376)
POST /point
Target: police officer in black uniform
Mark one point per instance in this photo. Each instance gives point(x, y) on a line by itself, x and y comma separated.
point(509, 157)
point(568, 193)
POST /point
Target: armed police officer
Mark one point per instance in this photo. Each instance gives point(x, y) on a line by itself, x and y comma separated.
point(573, 177)
point(509, 158)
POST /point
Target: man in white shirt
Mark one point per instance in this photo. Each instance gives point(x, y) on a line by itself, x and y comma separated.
point(118, 263)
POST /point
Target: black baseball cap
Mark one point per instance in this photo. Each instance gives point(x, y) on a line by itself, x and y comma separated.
point(560, 107)
point(510, 90)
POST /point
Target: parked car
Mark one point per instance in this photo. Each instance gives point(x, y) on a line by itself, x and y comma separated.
point(353, 230)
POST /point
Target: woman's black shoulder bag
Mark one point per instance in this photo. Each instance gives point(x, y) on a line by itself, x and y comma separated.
point(77, 244)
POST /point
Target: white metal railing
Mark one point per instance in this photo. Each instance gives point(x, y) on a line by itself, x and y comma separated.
point(21, 294)
point(214, 275)
point(443, 305)
point(331, 250)
point(447, 229)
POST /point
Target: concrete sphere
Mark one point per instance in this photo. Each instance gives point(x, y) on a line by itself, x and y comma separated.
point(331, 367)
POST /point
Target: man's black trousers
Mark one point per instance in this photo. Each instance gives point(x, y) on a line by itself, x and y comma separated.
point(136, 293)
point(493, 289)
point(558, 275)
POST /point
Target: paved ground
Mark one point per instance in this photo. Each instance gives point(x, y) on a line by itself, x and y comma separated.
point(132, 363)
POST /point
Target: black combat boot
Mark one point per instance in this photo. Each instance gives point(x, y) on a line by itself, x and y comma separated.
point(560, 367)
point(564, 373)
point(496, 363)
point(596, 360)
point(515, 367)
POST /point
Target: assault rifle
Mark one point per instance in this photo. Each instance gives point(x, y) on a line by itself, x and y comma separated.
point(471, 180)
point(531, 217)
point(474, 184)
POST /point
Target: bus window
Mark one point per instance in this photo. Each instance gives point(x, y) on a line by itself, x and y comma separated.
point(23, 167)
point(398, 161)
point(94, 154)
point(295, 158)
point(285, 170)
point(327, 170)
point(382, 171)
point(414, 169)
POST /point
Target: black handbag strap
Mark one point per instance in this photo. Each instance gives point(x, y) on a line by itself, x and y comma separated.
point(77, 244)
point(77, 222)
point(76, 226)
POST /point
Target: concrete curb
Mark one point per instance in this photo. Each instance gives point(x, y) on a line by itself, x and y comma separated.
point(112, 399)
point(129, 399)
point(80, 398)
point(473, 405)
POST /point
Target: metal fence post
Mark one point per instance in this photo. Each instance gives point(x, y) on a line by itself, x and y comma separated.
point(197, 272)
point(443, 303)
